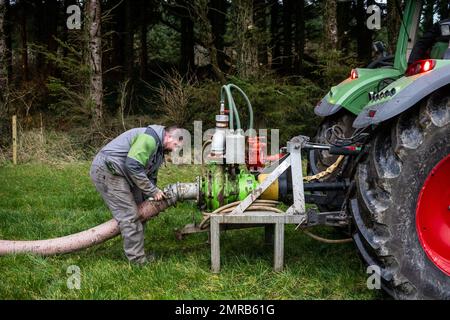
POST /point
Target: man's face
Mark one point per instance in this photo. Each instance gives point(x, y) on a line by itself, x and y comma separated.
point(172, 142)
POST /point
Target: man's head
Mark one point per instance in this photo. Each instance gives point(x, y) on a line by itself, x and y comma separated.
point(173, 139)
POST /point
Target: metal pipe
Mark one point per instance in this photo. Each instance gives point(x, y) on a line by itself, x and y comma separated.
point(325, 186)
point(218, 142)
point(100, 233)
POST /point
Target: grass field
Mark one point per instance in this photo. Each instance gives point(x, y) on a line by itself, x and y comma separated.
point(41, 201)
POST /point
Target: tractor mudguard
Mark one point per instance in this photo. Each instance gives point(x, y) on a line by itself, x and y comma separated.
point(409, 91)
point(351, 94)
point(325, 108)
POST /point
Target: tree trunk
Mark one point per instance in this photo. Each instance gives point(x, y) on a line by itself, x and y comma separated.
point(129, 39)
point(23, 35)
point(428, 14)
point(8, 40)
point(199, 13)
point(364, 35)
point(274, 34)
point(118, 52)
point(299, 36)
point(143, 54)
point(330, 25)
point(3, 49)
point(217, 16)
point(183, 10)
point(344, 16)
point(260, 17)
point(444, 10)
point(65, 30)
point(52, 44)
point(41, 27)
point(52, 14)
point(394, 23)
point(245, 39)
point(287, 36)
point(215, 64)
point(95, 60)
point(187, 63)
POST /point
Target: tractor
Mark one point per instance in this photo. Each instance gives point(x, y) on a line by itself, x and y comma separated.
point(399, 197)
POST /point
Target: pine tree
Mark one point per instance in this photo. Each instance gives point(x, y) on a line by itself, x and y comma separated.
point(95, 60)
point(330, 24)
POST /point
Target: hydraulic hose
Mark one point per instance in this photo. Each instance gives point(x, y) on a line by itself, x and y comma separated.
point(325, 240)
point(249, 105)
point(100, 233)
point(226, 92)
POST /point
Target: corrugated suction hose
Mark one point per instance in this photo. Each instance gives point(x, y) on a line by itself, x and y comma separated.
point(101, 233)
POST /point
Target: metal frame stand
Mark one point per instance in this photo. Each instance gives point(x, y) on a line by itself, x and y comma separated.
point(294, 215)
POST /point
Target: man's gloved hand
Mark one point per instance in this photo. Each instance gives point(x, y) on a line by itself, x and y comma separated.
point(159, 195)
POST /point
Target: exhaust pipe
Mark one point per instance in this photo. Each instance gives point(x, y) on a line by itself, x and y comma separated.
point(101, 233)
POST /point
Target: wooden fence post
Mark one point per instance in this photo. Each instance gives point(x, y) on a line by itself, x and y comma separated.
point(14, 139)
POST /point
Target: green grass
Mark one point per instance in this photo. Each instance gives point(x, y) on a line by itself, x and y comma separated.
point(41, 201)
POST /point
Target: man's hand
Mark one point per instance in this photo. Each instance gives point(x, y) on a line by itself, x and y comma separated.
point(159, 196)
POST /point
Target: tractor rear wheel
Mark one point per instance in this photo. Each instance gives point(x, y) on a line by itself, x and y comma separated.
point(401, 208)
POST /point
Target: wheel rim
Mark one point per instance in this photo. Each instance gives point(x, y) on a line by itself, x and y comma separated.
point(433, 215)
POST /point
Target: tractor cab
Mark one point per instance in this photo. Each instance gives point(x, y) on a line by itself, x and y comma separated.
point(441, 49)
point(428, 71)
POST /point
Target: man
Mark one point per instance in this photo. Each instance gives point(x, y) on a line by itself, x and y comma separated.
point(125, 174)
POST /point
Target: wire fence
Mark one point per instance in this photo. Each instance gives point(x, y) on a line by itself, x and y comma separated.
point(25, 140)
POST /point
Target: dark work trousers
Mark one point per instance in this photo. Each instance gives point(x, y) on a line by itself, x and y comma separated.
point(122, 200)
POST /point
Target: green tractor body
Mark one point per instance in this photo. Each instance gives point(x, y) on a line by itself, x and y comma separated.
point(364, 84)
point(401, 203)
point(352, 93)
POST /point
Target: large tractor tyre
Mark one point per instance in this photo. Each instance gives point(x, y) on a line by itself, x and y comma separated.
point(320, 160)
point(401, 207)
